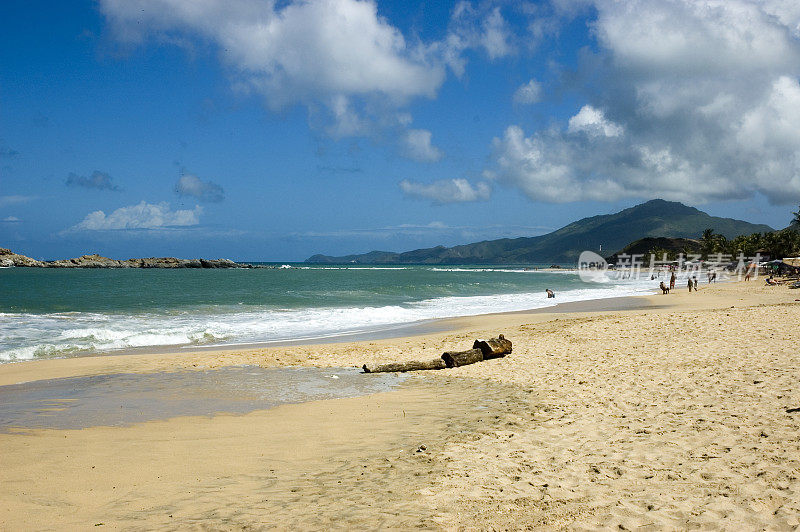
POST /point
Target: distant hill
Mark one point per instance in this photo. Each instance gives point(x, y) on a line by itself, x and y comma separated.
point(655, 218)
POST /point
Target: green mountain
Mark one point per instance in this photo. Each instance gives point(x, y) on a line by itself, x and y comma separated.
point(655, 218)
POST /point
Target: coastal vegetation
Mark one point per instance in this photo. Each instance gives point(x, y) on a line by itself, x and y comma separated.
point(775, 244)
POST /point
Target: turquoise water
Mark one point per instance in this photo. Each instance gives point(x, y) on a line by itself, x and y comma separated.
point(62, 312)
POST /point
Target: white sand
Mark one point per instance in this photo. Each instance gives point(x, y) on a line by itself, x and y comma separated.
point(674, 416)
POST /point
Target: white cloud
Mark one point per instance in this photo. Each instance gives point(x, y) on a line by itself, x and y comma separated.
point(692, 100)
point(417, 146)
point(349, 66)
point(529, 93)
point(695, 37)
point(141, 216)
point(495, 35)
point(593, 122)
point(446, 190)
point(329, 53)
point(191, 185)
point(482, 27)
point(543, 175)
point(11, 219)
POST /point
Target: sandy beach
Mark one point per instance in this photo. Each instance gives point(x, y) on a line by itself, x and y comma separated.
point(674, 413)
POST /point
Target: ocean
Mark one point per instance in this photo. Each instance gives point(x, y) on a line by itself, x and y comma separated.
point(49, 313)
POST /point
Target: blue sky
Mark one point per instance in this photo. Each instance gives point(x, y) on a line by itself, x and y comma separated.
point(262, 130)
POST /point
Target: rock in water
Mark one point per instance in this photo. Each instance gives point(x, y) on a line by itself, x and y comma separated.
point(9, 258)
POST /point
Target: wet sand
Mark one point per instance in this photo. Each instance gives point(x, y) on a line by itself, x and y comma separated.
point(346, 463)
point(120, 399)
point(681, 414)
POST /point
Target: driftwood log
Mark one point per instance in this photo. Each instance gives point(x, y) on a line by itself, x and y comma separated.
point(436, 363)
point(493, 347)
point(454, 359)
point(481, 350)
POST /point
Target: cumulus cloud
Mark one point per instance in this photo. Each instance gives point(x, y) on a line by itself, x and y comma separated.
point(529, 93)
point(472, 27)
point(446, 191)
point(691, 100)
point(98, 180)
point(417, 146)
point(348, 65)
point(593, 122)
point(11, 219)
point(495, 35)
point(191, 185)
point(329, 53)
point(542, 166)
point(141, 216)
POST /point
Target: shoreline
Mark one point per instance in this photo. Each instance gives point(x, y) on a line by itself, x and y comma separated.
point(385, 332)
point(399, 331)
point(188, 357)
point(180, 356)
point(230, 326)
point(453, 333)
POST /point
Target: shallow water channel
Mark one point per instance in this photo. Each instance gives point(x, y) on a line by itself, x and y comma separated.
point(123, 399)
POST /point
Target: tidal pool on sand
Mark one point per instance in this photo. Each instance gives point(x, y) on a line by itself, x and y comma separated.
point(126, 398)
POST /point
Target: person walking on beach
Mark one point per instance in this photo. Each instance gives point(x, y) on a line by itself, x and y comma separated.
point(672, 281)
point(691, 284)
point(694, 281)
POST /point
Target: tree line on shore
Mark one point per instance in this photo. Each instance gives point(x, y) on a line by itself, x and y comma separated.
point(776, 244)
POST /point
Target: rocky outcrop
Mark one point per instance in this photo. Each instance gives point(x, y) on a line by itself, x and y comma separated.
point(85, 261)
point(9, 258)
point(172, 262)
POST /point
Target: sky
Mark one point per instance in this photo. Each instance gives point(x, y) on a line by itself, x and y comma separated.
point(274, 130)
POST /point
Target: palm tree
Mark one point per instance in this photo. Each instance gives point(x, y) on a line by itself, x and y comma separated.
point(707, 242)
point(660, 253)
